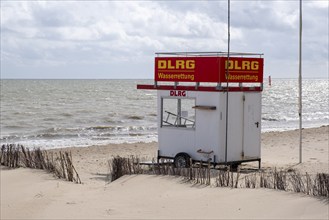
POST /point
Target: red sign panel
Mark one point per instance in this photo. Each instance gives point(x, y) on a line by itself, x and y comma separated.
point(209, 69)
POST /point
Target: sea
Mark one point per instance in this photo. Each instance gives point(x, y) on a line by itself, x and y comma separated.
point(78, 113)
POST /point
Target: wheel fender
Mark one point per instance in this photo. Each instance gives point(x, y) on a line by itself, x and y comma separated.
point(183, 154)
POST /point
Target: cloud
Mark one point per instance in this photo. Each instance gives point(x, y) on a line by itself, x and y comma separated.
point(122, 36)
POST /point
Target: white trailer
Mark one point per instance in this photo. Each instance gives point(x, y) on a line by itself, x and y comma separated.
point(217, 124)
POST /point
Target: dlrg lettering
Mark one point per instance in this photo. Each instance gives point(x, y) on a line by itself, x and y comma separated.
point(178, 93)
point(176, 64)
point(242, 65)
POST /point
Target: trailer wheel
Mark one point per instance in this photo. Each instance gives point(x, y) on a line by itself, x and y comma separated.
point(182, 160)
point(234, 166)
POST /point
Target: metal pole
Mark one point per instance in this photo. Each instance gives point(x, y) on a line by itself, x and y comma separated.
point(179, 112)
point(227, 75)
point(300, 82)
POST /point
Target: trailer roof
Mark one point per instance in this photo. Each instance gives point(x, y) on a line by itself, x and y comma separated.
point(211, 53)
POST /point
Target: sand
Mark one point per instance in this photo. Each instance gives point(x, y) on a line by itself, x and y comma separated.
point(35, 194)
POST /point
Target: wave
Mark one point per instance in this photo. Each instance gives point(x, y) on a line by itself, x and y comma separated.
point(13, 127)
point(270, 119)
point(135, 117)
point(66, 114)
point(112, 121)
point(50, 119)
point(98, 128)
point(47, 136)
point(95, 128)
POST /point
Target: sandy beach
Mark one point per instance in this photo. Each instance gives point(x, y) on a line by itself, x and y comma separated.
point(35, 194)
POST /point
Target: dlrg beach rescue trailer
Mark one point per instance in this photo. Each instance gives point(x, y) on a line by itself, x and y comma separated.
point(209, 107)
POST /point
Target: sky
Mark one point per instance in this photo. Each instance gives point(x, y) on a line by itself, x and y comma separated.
point(119, 39)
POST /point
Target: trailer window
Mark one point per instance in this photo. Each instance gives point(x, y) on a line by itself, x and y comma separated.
point(178, 113)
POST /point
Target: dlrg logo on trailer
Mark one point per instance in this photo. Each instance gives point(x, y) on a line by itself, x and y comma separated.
point(211, 113)
point(178, 93)
point(176, 64)
point(242, 65)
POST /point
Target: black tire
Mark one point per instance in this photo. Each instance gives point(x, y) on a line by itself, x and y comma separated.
point(182, 160)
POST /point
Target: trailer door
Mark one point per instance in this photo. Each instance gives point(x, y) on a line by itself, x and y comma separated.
point(252, 125)
point(235, 128)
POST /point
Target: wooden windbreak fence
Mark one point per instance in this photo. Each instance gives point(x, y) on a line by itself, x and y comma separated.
point(285, 180)
point(60, 163)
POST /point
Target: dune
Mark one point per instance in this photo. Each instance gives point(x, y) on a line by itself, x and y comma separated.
point(35, 194)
